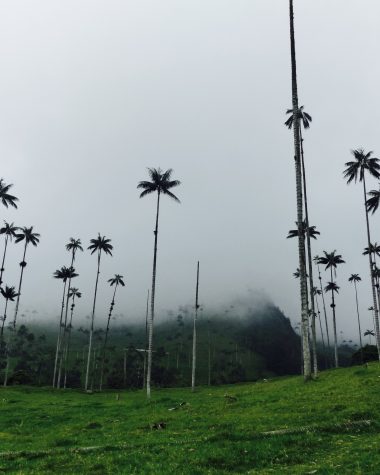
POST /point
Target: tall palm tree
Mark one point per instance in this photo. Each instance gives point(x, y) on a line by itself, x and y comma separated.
point(364, 162)
point(317, 292)
point(99, 245)
point(301, 237)
point(29, 237)
point(64, 274)
point(9, 293)
point(9, 230)
point(114, 281)
point(73, 294)
point(331, 261)
point(355, 278)
point(316, 260)
point(73, 246)
point(369, 333)
point(374, 250)
point(373, 203)
point(160, 183)
point(311, 230)
point(5, 197)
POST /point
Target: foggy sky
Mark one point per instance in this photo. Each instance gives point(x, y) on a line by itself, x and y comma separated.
point(93, 92)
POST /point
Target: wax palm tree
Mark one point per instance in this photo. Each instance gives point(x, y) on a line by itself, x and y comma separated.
point(331, 261)
point(9, 230)
point(160, 183)
point(312, 231)
point(5, 197)
point(364, 162)
point(354, 279)
point(114, 281)
point(99, 245)
point(194, 359)
point(316, 260)
point(302, 116)
point(29, 237)
point(317, 293)
point(73, 246)
point(73, 294)
point(298, 170)
point(9, 294)
point(369, 333)
point(373, 203)
point(65, 274)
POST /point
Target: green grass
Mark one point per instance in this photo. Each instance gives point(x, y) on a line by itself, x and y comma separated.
point(46, 431)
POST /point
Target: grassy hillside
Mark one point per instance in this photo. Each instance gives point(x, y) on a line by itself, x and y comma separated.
point(278, 426)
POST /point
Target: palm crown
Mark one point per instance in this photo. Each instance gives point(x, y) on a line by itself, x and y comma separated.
point(5, 197)
point(373, 203)
point(312, 231)
point(74, 292)
point(160, 182)
point(9, 229)
point(303, 116)
point(354, 278)
point(74, 245)
point(117, 279)
point(28, 235)
point(316, 291)
point(65, 273)
point(331, 259)
point(101, 244)
point(363, 162)
point(332, 287)
point(9, 293)
point(373, 249)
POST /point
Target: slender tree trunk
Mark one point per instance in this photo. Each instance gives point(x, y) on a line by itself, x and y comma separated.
point(62, 348)
point(324, 311)
point(68, 342)
point(125, 368)
point(150, 323)
point(334, 324)
point(146, 340)
point(301, 236)
point(3, 322)
point(55, 382)
point(360, 331)
point(92, 325)
point(3, 262)
point(19, 286)
point(195, 333)
point(376, 310)
point(321, 329)
point(106, 339)
point(310, 263)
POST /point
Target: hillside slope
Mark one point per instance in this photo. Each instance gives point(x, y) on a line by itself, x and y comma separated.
point(280, 426)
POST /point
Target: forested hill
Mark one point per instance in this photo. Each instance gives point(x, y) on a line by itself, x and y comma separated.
point(230, 349)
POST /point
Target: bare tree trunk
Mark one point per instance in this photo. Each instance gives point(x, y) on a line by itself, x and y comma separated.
point(150, 323)
point(146, 339)
point(195, 333)
point(334, 325)
point(301, 237)
point(324, 310)
point(125, 368)
point(92, 325)
point(310, 264)
point(3, 262)
point(68, 341)
point(376, 310)
point(55, 383)
point(360, 331)
point(20, 285)
point(3, 322)
point(105, 339)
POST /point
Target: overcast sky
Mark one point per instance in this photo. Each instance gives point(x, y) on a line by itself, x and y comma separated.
point(93, 92)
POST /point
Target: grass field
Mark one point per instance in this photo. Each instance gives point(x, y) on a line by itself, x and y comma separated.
point(327, 426)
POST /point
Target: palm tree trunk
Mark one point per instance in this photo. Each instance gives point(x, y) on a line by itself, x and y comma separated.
point(92, 325)
point(301, 237)
point(62, 348)
point(105, 340)
point(334, 325)
point(19, 286)
point(3, 262)
point(321, 329)
point(195, 333)
point(360, 331)
point(55, 382)
point(3, 323)
point(150, 322)
point(310, 264)
point(67, 351)
point(376, 310)
point(324, 311)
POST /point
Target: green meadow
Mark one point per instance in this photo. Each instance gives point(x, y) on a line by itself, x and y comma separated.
point(278, 426)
